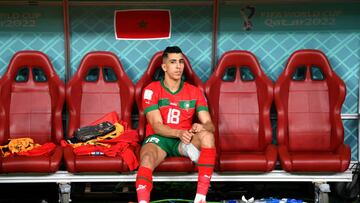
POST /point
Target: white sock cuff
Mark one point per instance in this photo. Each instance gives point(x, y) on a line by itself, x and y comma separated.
point(190, 151)
point(199, 198)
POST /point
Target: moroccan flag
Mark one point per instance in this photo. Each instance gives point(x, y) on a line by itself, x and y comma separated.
point(142, 24)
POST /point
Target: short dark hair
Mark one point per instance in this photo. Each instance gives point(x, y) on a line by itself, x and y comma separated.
point(170, 50)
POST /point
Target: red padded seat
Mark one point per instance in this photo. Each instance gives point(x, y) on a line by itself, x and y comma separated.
point(310, 133)
point(99, 86)
point(240, 97)
point(174, 164)
point(32, 98)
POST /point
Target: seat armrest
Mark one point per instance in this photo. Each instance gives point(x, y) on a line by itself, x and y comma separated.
point(271, 155)
point(345, 156)
point(56, 158)
point(69, 159)
point(285, 158)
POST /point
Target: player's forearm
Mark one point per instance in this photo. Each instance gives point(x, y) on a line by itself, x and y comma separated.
point(165, 130)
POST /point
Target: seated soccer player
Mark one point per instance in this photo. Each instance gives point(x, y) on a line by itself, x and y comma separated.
point(170, 106)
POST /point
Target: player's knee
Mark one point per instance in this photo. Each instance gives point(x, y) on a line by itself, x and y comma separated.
point(207, 139)
point(148, 159)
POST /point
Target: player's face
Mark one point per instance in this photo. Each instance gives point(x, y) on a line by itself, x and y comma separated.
point(173, 66)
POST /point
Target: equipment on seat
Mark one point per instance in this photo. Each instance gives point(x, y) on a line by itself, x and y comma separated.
point(32, 97)
point(240, 96)
point(153, 72)
point(99, 86)
point(310, 132)
point(86, 133)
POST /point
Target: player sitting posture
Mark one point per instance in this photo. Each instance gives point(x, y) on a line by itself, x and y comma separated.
point(170, 106)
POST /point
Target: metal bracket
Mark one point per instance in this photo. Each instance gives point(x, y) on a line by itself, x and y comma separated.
point(64, 192)
point(321, 192)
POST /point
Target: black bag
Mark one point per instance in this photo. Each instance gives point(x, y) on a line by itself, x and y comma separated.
point(86, 133)
point(350, 190)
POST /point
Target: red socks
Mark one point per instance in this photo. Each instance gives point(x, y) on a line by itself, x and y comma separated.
point(206, 167)
point(143, 184)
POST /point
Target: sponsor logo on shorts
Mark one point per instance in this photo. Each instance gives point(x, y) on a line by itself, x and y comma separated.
point(153, 140)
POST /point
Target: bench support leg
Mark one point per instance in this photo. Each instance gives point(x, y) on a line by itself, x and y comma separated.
point(64, 192)
point(321, 192)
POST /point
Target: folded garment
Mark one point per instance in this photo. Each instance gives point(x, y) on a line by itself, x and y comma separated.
point(26, 147)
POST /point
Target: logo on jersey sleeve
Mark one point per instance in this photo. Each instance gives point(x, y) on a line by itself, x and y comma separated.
point(148, 94)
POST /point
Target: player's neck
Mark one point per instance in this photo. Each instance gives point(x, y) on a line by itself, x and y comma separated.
point(172, 85)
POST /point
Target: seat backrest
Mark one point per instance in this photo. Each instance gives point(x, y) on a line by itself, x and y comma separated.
point(99, 86)
point(32, 97)
point(309, 96)
point(152, 73)
point(240, 97)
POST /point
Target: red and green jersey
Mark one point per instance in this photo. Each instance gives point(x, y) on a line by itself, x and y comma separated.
point(177, 108)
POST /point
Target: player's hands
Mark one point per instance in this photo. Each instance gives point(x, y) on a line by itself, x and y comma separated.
point(196, 127)
point(185, 136)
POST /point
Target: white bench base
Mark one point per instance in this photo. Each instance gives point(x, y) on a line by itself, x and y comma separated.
point(64, 179)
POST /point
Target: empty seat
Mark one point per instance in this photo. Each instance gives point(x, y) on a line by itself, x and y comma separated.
point(309, 96)
point(153, 73)
point(32, 97)
point(240, 97)
point(99, 86)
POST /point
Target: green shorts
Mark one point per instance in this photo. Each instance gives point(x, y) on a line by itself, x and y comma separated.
point(169, 145)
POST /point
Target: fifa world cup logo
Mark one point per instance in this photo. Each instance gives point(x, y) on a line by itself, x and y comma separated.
point(247, 13)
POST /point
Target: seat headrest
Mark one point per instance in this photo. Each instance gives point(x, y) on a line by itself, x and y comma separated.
point(232, 60)
point(36, 60)
point(97, 59)
point(158, 75)
point(314, 60)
